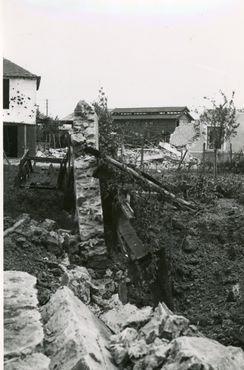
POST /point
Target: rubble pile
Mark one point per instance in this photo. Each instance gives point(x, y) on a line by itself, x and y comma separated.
point(43, 249)
point(36, 247)
point(164, 156)
point(163, 340)
point(137, 338)
point(52, 153)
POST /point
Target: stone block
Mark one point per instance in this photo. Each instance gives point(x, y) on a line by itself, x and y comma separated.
point(76, 339)
point(122, 316)
point(36, 361)
point(202, 353)
point(23, 332)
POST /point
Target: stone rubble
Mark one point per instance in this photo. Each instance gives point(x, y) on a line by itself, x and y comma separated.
point(167, 341)
point(23, 332)
point(75, 338)
point(122, 316)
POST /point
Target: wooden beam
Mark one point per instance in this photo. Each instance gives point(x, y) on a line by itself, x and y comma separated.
point(146, 180)
point(47, 159)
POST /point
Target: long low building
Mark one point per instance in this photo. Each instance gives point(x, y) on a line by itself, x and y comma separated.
point(153, 124)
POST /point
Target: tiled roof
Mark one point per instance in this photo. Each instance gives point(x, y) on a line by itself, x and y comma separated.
point(150, 109)
point(146, 117)
point(150, 113)
point(12, 70)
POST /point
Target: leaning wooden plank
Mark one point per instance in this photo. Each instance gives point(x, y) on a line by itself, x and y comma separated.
point(152, 185)
point(6, 158)
point(15, 226)
point(47, 159)
point(24, 158)
point(129, 240)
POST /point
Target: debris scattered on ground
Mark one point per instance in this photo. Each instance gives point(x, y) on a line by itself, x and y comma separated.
point(52, 153)
point(168, 341)
point(164, 156)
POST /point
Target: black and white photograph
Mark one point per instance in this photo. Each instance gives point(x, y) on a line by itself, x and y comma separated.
point(122, 184)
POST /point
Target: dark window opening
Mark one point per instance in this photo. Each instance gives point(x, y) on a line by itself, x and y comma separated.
point(213, 138)
point(5, 93)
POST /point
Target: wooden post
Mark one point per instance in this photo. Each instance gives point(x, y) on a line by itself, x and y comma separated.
point(142, 152)
point(215, 162)
point(6, 158)
point(231, 154)
point(203, 157)
point(25, 138)
point(182, 159)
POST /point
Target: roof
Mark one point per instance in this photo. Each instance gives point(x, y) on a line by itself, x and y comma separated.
point(150, 113)
point(12, 70)
point(69, 117)
point(150, 109)
point(147, 116)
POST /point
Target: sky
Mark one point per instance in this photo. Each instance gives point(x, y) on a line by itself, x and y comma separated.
point(143, 52)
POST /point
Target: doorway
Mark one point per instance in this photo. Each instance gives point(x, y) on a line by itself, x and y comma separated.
point(10, 141)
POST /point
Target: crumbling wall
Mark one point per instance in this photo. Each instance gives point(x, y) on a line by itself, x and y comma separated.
point(184, 134)
point(87, 188)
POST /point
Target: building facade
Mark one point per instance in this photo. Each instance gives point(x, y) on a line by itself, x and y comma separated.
point(19, 109)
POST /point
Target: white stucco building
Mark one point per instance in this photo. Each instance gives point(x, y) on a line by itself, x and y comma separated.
point(19, 109)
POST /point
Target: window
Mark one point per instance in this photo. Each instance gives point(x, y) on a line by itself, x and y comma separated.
point(5, 93)
point(213, 135)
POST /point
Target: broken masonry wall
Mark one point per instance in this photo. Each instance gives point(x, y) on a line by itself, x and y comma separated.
point(87, 188)
point(185, 132)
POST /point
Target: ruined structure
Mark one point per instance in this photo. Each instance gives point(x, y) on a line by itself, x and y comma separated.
point(77, 322)
point(87, 189)
point(154, 124)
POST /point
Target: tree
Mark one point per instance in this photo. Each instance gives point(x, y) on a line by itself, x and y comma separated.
point(108, 140)
point(221, 123)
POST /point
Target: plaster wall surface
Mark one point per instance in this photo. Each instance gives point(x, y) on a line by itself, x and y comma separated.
point(22, 101)
point(238, 140)
point(184, 134)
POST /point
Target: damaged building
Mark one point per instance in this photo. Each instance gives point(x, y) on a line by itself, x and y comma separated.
point(154, 124)
point(19, 109)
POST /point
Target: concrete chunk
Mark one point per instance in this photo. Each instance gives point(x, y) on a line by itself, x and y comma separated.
point(23, 332)
point(36, 361)
point(76, 339)
point(122, 316)
point(203, 353)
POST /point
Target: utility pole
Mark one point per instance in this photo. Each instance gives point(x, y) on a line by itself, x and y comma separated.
point(46, 107)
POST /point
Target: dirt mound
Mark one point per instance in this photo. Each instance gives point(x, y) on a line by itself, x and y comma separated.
point(206, 255)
